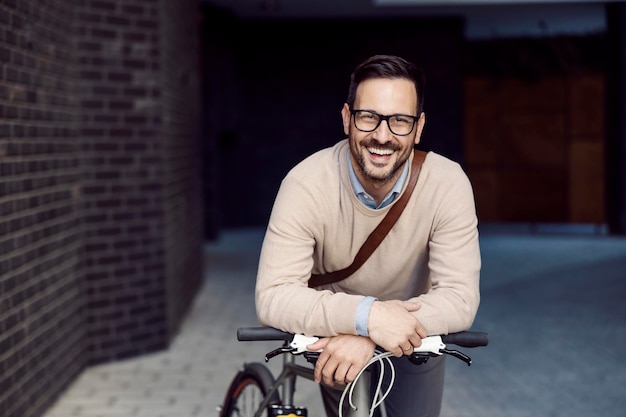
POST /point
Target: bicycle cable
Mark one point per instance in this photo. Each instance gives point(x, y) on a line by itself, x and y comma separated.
point(381, 358)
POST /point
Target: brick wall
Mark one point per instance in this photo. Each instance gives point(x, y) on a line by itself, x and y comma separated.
point(181, 139)
point(100, 213)
point(122, 173)
point(41, 309)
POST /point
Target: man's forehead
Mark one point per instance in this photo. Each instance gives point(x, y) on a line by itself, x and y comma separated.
point(396, 95)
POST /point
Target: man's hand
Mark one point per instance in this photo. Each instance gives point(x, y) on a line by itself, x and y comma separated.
point(342, 358)
point(392, 326)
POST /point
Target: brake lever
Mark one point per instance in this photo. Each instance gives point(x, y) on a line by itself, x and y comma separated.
point(458, 355)
point(297, 346)
point(279, 351)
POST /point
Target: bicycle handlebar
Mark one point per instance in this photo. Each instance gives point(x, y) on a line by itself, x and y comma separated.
point(250, 334)
point(466, 338)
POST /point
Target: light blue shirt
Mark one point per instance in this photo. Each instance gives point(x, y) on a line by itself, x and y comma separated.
point(364, 307)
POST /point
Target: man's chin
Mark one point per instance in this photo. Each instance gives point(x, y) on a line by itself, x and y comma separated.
point(378, 176)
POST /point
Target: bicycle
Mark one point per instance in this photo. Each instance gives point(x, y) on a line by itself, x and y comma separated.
point(254, 391)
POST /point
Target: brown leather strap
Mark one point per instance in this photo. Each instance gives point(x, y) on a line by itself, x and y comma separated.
point(378, 234)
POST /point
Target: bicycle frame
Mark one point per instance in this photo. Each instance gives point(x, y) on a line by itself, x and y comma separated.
point(287, 380)
point(287, 377)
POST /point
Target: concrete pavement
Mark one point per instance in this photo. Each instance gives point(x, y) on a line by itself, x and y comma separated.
point(553, 304)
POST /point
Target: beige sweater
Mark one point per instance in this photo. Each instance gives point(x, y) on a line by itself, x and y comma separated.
point(317, 225)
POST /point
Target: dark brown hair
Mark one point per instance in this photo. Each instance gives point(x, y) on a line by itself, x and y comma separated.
point(387, 66)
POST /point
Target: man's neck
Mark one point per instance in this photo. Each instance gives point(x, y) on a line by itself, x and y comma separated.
point(378, 190)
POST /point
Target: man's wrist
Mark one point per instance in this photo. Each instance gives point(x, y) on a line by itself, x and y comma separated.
point(362, 315)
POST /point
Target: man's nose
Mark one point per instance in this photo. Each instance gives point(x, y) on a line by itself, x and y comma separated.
point(383, 131)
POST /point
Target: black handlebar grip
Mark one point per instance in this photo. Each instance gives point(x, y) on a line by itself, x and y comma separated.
point(250, 334)
point(466, 339)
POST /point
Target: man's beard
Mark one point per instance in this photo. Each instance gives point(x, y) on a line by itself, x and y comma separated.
point(371, 176)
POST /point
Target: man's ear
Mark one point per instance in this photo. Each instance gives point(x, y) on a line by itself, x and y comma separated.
point(345, 116)
point(420, 126)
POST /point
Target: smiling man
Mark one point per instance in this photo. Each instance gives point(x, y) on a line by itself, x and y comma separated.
point(374, 154)
point(423, 278)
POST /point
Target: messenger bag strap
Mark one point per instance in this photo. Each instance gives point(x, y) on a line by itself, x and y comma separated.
point(378, 234)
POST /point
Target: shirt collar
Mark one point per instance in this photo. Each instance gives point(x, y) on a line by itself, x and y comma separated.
point(367, 199)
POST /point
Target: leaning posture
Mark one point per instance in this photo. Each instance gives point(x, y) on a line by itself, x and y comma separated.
point(423, 278)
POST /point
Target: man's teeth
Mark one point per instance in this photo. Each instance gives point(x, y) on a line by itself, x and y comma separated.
point(380, 151)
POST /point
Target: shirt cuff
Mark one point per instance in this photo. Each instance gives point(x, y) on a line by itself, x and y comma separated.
point(362, 315)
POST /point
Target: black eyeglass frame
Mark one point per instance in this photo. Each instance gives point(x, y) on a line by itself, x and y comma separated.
point(386, 118)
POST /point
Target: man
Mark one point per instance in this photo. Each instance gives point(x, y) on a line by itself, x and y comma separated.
point(423, 277)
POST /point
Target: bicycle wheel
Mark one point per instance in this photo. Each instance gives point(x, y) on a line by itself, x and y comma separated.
point(247, 391)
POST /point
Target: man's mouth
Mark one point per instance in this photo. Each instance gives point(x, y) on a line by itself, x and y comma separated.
point(380, 151)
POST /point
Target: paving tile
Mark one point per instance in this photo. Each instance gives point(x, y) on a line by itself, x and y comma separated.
point(552, 304)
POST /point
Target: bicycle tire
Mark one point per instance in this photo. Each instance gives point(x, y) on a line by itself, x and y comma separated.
point(246, 391)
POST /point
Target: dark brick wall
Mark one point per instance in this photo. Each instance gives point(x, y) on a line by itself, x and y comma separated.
point(122, 172)
point(183, 224)
point(42, 331)
point(100, 191)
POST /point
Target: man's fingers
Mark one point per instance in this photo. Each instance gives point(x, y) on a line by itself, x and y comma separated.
point(328, 374)
point(352, 373)
point(319, 367)
point(407, 350)
point(318, 345)
point(416, 340)
point(325, 369)
point(341, 373)
point(321, 360)
point(397, 352)
point(411, 306)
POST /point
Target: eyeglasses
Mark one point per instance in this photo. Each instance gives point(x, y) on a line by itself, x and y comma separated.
point(368, 121)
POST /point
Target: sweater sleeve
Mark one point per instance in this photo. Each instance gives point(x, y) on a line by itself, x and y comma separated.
point(451, 303)
point(283, 298)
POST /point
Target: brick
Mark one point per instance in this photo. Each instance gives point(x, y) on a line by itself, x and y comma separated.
point(146, 24)
point(133, 9)
point(103, 33)
point(77, 210)
point(101, 5)
point(120, 76)
point(117, 20)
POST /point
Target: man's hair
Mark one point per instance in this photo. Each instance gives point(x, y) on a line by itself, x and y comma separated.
point(387, 66)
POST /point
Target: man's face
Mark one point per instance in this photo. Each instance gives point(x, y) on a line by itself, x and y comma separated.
point(380, 154)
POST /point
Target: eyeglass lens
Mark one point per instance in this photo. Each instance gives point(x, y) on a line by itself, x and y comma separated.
point(369, 121)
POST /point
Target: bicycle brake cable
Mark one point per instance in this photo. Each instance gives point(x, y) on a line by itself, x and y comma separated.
point(378, 396)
